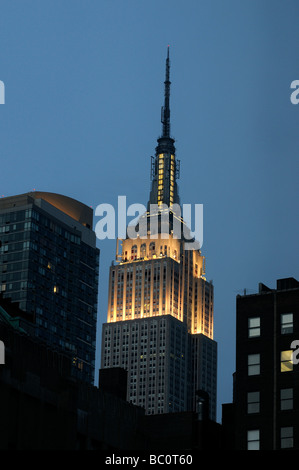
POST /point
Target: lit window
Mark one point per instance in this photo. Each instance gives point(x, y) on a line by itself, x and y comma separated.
point(253, 364)
point(286, 399)
point(286, 323)
point(253, 402)
point(286, 437)
point(253, 439)
point(254, 327)
point(286, 364)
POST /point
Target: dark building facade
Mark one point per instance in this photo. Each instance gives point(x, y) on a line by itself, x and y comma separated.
point(49, 266)
point(265, 412)
point(160, 305)
point(43, 407)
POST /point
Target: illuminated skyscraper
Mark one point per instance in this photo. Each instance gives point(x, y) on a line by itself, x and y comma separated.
point(160, 307)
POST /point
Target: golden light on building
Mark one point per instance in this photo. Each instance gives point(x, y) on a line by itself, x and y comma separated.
point(160, 307)
point(161, 179)
point(149, 279)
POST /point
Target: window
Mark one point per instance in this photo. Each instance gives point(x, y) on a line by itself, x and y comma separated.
point(253, 402)
point(286, 399)
point(134, 252)
point(286, 323)
point(152, 246)
point(286, 364)
point(253, 364)
point(253, 440)
point(286, 438)
point(254, 327)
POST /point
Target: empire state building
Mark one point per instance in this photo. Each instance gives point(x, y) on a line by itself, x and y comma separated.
point(160, 307)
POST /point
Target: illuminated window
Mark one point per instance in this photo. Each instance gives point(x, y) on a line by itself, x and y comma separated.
point(286, 323)
point(253, 439)
point(254, 327)
point(286, 364)
point(286, 437)
point(253, 364)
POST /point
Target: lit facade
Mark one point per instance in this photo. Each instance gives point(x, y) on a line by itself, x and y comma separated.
point(49, 265)
point(160, 306)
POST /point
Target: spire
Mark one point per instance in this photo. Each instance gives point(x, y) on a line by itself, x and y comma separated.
point(165, 142)
point(165, 114)
point(165, 167)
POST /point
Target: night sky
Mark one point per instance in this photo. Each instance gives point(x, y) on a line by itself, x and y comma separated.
point(83, 93)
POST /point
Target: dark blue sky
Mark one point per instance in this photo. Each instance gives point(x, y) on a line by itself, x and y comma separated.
point(84, 88)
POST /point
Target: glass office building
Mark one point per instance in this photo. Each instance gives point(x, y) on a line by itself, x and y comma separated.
point(49, 265)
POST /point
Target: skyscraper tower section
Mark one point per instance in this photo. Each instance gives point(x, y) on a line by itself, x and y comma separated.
point(49, 265)
point(160, 307)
